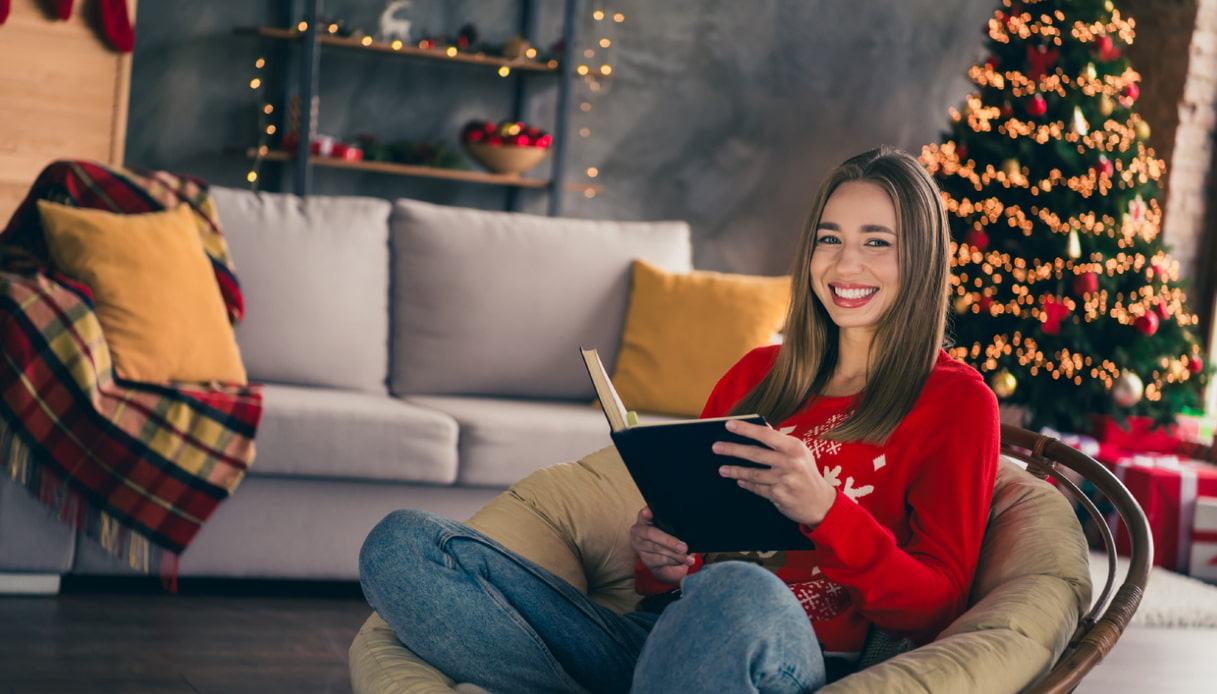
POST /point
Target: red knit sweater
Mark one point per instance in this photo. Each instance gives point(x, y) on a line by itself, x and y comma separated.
point(899, 546)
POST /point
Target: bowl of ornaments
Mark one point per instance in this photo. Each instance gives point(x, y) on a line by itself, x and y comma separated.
point(507, 147)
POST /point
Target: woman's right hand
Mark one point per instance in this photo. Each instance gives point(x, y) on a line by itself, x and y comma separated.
point(666, 557)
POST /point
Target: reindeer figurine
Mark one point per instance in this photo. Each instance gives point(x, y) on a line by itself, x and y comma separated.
point(393, 27)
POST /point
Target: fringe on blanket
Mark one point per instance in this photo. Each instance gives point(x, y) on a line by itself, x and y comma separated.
point(70, 508)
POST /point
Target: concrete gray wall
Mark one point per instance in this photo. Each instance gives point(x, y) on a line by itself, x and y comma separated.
point(722, 113)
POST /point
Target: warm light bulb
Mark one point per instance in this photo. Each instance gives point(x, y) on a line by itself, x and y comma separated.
point(366, 41)
point(260, 63)
point(619, 18)
point(302, 26)
point(504, 71)
point(251, 176)
point(396, 45)
point(606, 69)
point(270, 130)
point(605, 43)
point(583, 69)
point(451, 51)
point(592, 172)
point(268, 109)
point(255, 83)
point(598, 15)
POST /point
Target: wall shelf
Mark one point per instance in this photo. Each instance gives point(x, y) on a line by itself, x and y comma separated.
point(385, 167)
point(307, 38)
point(403, 49)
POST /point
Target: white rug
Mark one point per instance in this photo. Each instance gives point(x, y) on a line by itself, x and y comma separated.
point(1170, 600)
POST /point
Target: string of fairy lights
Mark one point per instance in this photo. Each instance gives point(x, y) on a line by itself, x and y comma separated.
point(595, 72)
point(1033, 288)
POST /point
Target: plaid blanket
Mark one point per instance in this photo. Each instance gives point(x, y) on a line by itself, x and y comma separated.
point(138, 467)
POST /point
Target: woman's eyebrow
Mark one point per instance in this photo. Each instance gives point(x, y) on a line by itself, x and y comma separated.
point(877, 228)
point(831, 226)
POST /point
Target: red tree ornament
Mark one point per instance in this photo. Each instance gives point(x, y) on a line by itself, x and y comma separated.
point(1036, 106)
point(1054, 312)
point(1040, 60)
point(1103, 167)
point(1162, 309)
point(1147, 323)
point(1085, 283)
point(1130, 94)
point(976, 239)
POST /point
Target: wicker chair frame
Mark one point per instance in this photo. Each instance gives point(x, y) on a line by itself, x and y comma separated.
point(1109, 615)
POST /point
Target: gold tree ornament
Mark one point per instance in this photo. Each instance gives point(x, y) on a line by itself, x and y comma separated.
point(1127, 390)
point(1003, 384)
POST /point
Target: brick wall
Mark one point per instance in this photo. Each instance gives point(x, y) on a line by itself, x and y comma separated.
point(1176, 54)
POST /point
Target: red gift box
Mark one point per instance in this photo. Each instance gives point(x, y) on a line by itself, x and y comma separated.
point(1204, 540)
point(1166, 487)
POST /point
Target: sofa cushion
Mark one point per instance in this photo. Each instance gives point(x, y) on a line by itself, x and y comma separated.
point(154, 291)
point(324, 432)
point(315, 274)
point(503, 441)
point(684, 330)
point(498, 303)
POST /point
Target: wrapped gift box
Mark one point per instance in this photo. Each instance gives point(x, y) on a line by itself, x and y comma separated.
point(1203, 563)
point(1167, 488)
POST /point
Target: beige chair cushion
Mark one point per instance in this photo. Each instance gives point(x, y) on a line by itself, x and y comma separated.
point(1032, 583)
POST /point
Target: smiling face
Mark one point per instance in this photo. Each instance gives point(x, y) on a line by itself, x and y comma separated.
point(855, 271)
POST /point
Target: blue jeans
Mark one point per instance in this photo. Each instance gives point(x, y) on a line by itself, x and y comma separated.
point(485, 615)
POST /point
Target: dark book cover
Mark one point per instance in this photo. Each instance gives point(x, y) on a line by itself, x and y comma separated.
point(677, 473)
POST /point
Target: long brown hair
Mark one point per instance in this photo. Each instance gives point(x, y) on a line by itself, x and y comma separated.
point(907, 338)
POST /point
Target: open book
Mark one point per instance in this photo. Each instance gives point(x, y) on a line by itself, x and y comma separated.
point(677, 472)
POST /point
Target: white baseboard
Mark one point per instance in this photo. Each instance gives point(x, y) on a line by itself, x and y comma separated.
point(29, 584)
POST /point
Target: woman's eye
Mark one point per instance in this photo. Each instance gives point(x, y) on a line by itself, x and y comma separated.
point(828, 239)
point(881, 243)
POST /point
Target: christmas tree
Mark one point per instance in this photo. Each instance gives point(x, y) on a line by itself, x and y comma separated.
point(1065, 297)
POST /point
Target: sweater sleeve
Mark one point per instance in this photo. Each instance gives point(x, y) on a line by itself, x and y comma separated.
point(916, 588)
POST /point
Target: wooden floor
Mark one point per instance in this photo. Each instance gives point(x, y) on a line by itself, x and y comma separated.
point(268, 642)
point(293, 638)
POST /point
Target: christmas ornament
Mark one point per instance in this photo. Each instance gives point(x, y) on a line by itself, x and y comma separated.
point(1137, 209)
point(1105, 48)
point(1106, 105)
point(1003, 384)
point(1127, 389)
point(1040, 60)
point(984, 303)
point(1085, 283)
point(1075, 245)
point(1103, 167)
point(1129, 95)
point(1011, 167)
point(962, 304)
point(1142, 130)
point(1080, 126)
point(1036, 106)
point(1162, 309)
point(1054, 312)
point(391, 26)
point(976, 239)
point(1194, 364)
point(1147, 323)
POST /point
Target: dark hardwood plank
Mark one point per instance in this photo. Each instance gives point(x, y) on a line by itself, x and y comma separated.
point(270, 639)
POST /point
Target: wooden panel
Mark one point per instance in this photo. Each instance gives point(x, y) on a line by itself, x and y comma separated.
point(65, 95)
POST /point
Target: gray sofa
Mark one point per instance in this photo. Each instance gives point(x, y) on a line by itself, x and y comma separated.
point(413, 355)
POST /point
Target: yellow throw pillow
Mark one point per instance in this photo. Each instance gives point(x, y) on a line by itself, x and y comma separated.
point(154, 291)
point(683, 331)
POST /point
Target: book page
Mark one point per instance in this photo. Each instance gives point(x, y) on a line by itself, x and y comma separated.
point(610, 402)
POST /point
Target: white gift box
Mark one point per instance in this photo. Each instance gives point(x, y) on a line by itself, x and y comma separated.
point(1203, 563)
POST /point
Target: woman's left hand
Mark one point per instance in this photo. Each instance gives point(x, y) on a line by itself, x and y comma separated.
point(791, 482)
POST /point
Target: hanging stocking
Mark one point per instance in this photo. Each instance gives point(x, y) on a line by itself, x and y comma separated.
point(115, 24)
point(63, 8)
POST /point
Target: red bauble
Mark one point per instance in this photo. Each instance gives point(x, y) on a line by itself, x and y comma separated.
point(1040, 60)
point(1132, 91)
point(1102, 43)
point(1162, 309)
point(1195, 365)
point(1085, 283)
point(1147, 323)
point(1036, 106)
point(984, 302)
point(976, 239)
point(962, 153)
point(1104, 168)
point(1054, 312)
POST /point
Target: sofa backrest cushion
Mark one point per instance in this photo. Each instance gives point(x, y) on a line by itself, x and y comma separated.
point(315, 274)
point(498, 303)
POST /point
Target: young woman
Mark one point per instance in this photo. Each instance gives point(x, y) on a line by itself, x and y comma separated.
point(882, 448)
